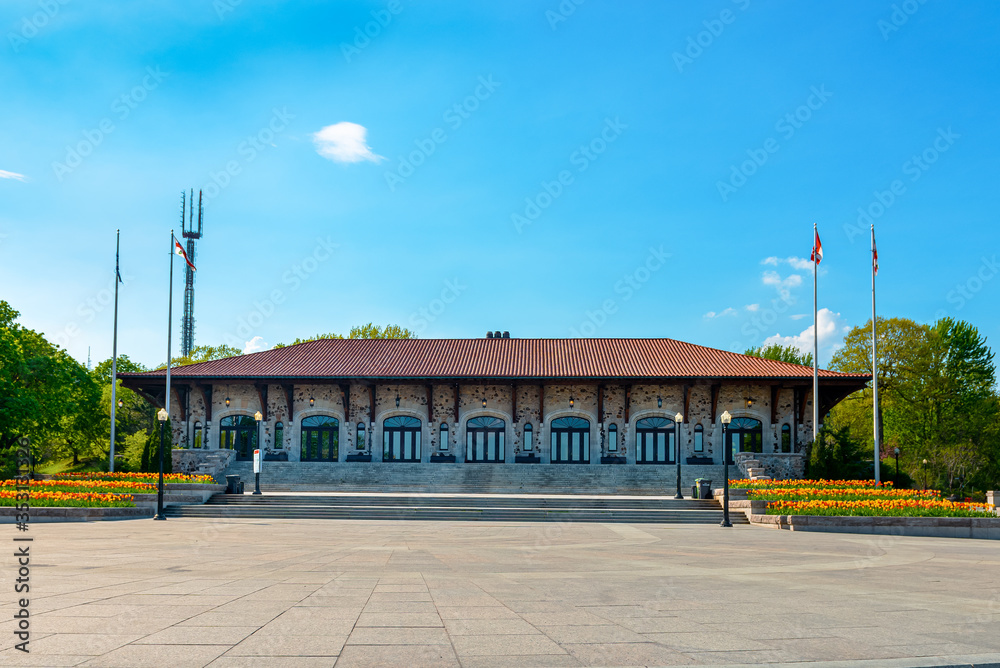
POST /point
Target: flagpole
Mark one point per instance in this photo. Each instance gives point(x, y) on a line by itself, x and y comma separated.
point(815, 337)
point(114, 356)
point(878, 450)
point(170, 319)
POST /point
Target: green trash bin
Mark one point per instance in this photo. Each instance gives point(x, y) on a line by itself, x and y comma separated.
point(704, 488)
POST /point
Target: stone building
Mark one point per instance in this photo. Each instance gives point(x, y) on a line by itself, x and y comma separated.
point(499, 400)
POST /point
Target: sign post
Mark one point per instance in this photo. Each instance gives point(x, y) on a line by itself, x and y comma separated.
point(256, 471)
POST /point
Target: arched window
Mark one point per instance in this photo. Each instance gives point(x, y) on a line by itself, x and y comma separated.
point(239, 433)
point(360, 442)
point(654, 441)
point(786, 438)
point(699, 438)
point(320, 439)
point(196, 439)
point(570, 441)
point(443, 431)
point(279, 435)
point(484, 440)
point(401, 439)
point(612, 438)
point(529, 439)
point(744, 435)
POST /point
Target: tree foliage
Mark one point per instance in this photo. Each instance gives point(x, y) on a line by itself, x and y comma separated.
point(781, 354)
point(369, 331)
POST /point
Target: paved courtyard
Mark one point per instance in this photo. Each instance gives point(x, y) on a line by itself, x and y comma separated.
point(189, 592)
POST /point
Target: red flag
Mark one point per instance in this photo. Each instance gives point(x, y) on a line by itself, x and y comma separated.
point(874, 255)
point(180, 251)
point(817, 254)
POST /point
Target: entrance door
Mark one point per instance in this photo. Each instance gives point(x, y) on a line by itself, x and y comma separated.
point(239, 433)
point(401, 439)
point(570, 441)
point(484, 440)
point(744, 435)
point(654, 441)
point(320, 439)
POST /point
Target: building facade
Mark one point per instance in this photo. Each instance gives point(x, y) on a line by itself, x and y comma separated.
point(500, 401)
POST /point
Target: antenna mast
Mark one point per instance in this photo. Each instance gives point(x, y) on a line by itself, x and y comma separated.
point(191, 234)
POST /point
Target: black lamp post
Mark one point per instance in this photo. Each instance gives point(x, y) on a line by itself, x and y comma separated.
point(161, 415)
point(677, 452)
point(256, 474)
point(895, 452)
point(726, 418)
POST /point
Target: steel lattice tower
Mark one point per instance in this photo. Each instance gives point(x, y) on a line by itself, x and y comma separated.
point(192, 235)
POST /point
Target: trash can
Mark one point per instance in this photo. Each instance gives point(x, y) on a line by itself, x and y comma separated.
point(233, 485)
point(704, 488)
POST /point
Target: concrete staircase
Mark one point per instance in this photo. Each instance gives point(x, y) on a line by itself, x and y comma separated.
point(754, 470)
point(619, 479)
point(458, 507)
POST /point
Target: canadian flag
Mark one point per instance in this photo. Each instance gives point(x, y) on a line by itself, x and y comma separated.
point(817, 254)
point(180, 251)
point(874, 255)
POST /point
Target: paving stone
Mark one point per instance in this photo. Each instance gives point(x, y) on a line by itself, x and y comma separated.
point(156, 656)
point(380, 656)
point(302, 645)
point(399, 619)
point(486, 645)
point(398, 636)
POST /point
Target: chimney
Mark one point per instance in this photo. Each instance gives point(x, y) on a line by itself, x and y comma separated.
point(506, 335)
point(489, 335)
point(496, 334)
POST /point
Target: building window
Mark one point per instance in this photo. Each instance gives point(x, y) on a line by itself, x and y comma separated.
point(239, 433)
point(401, 439)
point(570, 441)
point(529, 439)
point(279, 435)
point(613, 438)
point(320, 439)
point(197, 434)
point(484, 440)
point(360, 443)
point(744, 435)
point(786, 438)
point(699, 438)
point(444, 435)
point(654, 441)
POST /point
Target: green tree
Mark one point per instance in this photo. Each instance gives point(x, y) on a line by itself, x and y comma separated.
point(781, 354)
point(369, 331)
point(837, 456)
point(205, 354)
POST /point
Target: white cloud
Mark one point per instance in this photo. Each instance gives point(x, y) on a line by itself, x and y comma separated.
point(775, 280)
point(798, 316)
point(255, 345)
point(344, 142)
point(4, 174)
point(721, 314)
point(797, 263)
point(753, 308)
point(831, 330)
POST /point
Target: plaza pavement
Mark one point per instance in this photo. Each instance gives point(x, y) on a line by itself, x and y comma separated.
point(227, 593)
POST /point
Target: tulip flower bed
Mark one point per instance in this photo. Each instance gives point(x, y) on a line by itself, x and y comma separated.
point(84, 486)
point(139, 477)
point(11, 497)
point(853, 498)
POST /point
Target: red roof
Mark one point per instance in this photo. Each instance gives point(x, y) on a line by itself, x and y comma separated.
point(495, 358)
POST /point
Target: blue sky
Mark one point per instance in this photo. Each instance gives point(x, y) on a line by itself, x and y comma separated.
point(552, 169)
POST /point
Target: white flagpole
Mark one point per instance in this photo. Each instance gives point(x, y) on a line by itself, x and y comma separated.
point(114, 357)
point(170, 319)
point(815, 340)
point(878, 450)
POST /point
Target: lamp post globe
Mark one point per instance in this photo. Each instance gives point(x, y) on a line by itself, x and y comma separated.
point(162, 416)
point(677, 452)
point(725, 418)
